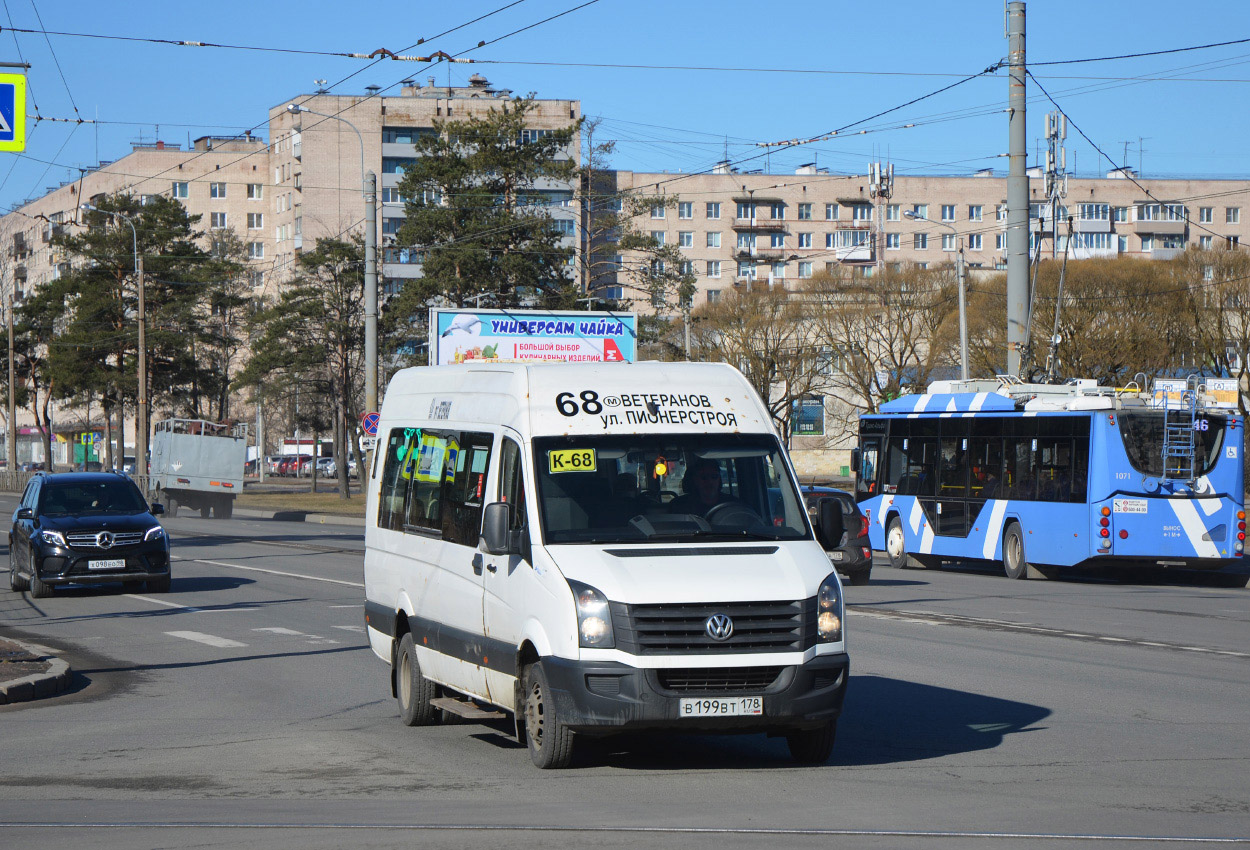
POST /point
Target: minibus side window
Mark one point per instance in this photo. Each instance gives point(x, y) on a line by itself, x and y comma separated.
point(464, 487)
point(398, 448)
point(512, 483)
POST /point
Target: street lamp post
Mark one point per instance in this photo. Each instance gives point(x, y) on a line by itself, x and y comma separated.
point(141, 412)
point(963, 307)
point(369, 188)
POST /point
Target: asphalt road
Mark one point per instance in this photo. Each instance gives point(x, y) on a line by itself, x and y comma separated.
point(244, 709)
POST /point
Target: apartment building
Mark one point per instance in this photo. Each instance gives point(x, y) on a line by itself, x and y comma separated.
point(736, 228)
point(316, 163)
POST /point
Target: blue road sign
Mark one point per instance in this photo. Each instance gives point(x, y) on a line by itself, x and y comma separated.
point(370, 423)
point(12, 112)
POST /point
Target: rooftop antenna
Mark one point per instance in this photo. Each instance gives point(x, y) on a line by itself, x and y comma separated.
point(321, 86)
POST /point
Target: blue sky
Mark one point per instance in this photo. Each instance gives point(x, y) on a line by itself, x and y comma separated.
point(807, 68)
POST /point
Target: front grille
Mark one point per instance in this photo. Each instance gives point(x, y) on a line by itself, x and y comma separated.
point(87, 539)
point(674, 629)
point(718, 680)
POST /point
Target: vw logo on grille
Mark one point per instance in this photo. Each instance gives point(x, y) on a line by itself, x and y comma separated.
point(104, 540)
point(719, 627)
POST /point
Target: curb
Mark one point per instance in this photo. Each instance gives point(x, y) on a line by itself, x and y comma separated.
point(301, 516)
point(37, 685)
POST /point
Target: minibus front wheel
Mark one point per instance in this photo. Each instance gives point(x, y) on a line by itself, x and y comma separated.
point(550, 741)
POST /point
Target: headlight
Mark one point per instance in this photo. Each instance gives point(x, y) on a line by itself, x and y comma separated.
point(829, 610)
point(594, 620)
point(154, 533)
point(53, 537)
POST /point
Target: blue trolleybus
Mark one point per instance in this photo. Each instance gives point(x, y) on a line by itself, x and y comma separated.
point(1036, 476)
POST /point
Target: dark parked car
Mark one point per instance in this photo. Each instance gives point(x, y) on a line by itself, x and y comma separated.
point(845, 540)
point(86, 528)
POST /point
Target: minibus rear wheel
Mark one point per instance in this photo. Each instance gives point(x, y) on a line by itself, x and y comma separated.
point(413, 690)
point(550, 741)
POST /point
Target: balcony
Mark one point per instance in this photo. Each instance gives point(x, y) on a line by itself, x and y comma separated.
point(1160, 227)
point(1091, 225)
point(762, 254)
point(297, 145)
point(759, 224)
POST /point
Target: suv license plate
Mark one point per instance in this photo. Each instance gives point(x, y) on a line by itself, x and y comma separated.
point(110, 564)
point(837, 555)
point(722, 707)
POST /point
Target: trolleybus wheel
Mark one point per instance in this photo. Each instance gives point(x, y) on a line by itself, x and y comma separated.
point(896, 544)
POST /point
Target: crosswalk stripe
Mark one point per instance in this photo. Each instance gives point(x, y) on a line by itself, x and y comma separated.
point(211, 640)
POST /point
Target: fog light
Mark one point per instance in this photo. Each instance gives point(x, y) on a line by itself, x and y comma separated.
point(1123, 534)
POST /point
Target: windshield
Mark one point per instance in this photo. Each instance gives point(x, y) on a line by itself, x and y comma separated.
point(630, 489)
point(92, 497)
point(1143, 432)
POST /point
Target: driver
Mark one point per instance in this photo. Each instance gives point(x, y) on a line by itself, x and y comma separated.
point(702, 489)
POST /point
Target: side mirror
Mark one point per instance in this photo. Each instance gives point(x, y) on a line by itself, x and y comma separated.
point(829, 526)
point(855, 461)
point(25, 513)
point(157, 509)
point(496, 521)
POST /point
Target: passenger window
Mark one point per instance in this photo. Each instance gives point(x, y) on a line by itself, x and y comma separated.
point(425, 473)
point(399, 449)
point(463, 488)
point(512, 483)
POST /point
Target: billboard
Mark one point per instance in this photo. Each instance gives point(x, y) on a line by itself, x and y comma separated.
point(531, 336)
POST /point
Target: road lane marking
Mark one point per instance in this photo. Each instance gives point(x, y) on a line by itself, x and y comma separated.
point(163, 602)
point(273, 572)
point(278, 630)
point(351, 628)
point(211, 640)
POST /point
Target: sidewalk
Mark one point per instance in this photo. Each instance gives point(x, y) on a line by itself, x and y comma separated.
point(28, 671)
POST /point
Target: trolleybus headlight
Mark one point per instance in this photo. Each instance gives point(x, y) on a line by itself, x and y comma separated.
point(829, 610)
point(594, 621)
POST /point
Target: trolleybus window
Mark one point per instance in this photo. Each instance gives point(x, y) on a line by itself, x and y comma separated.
point(1143, 433)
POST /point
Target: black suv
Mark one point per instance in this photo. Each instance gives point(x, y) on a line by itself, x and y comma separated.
point(86, 528)
point(846, 542)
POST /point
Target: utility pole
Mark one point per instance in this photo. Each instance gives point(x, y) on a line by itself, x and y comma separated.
point(1017, 190)
point(1056, 172)
point(880, 188)
point(141, 430)
point(10, 437)
point(371, 292)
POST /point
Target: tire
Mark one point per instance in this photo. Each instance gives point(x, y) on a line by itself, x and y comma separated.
point(1015, 563)
point(39, 589)
point(413, 690)
point(159, 585)
point(550, 741)
point(171, 506)
point(225, 508)
point(812, 746)
point(206, 510)
point(859, 578)
point(896, 544)
point(16, 583)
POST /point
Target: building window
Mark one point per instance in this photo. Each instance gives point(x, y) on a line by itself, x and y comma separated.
point(805, 212)
point(713, 295)
point(658, 237)
point(1093, 212)
point(831, 212)
point(1204, 242)
point(1232, 215)
point(1122, 244)
point(920, 210)
point(258, 279)
point(255, 191)
point(713, 239)
point(1000, 212)
point(893, 241)
point(1147, 242)
point(948, 212)
point(561, 225)
point(397, 164)
point(1119, 213)
point(255, 221)
point(892, 212)
point(181, 190)
point(1092, 241)
point(1206, 215)
point(217, 220)
point(778, 240)
point(1000, 241)
point(861, 212)
point(1160, 212)
point(256, 250)
point(685, 238)
point(920, 241)
point(778, 211)
point(805, 240)
point(687, 267)
point(950, 242)
point(713, 209)
point(746, 269)
point(974, 241)
point(713, 268)
point(746, 240)
point(778, 271)
point(746, 210)
point(1233, 241)
point(685, 209)
point(217, 190)
point(805, 270)
point(974, 212)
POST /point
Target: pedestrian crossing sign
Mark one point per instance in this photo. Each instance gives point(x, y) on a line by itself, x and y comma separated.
point(12, 112)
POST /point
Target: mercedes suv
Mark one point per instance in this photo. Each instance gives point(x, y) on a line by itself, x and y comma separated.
point(86, 528)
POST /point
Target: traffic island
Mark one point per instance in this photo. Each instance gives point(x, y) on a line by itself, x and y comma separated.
point(28, 671)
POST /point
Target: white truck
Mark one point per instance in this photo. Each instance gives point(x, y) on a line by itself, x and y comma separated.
point(198, 464)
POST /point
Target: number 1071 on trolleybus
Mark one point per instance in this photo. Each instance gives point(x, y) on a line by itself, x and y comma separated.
point(1037, 476)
